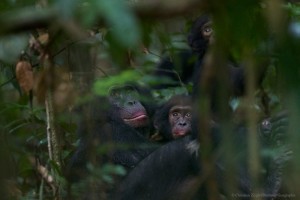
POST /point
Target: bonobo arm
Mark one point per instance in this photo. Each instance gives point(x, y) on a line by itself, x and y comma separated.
point(162, 173)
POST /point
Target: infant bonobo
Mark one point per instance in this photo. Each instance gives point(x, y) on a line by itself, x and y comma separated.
point(173, 119)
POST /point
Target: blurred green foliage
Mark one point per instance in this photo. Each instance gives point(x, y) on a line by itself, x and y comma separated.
point(126, 49)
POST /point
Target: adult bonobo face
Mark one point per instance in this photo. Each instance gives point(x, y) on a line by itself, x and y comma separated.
point(129, 108)
point(180, 120)
point(201, 35)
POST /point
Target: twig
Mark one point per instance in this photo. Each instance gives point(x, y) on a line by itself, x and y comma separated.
point(105, 74)
point(150, 52)
point(6, 82)
point(43, 171)
point(175, 72)
point(24, 20)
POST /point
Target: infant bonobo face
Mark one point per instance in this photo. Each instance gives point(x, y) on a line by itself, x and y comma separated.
point(180, 120)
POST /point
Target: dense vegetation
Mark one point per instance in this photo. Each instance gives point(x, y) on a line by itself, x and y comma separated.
point(55, 54)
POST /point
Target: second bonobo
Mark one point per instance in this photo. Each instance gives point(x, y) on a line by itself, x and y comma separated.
point(120, 124)
point(173, 119)
point(126, 101)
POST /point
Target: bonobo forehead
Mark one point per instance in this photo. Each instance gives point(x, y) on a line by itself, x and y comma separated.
point(182, 100)
point(180, 108)
point(121, 91)
point(121, 94)
point(201, 21)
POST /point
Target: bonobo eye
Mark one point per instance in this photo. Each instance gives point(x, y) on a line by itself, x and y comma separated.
point(188, 114)
point(114, 93)
point(207, 30)
point(175, 114)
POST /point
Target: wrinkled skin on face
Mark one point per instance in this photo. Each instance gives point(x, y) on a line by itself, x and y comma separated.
point(129, 107)
point(180, 120)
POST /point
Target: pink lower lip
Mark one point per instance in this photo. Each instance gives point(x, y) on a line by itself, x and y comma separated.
point(136, 118)
point(180, 133)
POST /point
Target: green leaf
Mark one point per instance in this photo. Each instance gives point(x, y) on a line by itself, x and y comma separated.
point(102, 86)
point(117, 14)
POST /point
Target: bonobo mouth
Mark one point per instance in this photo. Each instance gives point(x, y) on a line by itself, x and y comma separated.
point(136, 118)
point(180, 133)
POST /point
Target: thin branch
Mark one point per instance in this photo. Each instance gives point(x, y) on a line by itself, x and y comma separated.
point(28, 19)
point(100, 69)
point(152, 53)
point(175, 72)
point(6, 82)
point(43, 171)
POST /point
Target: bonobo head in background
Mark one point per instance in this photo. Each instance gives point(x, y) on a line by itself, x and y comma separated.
point(126, 101)
point(173, 119)
point(201, 35)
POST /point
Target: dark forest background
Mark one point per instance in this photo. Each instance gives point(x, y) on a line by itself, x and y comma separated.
point(55, 54)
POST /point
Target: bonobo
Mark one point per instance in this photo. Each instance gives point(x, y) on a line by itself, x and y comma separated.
point(173, 119)
point(201, 35)
point(126, 101)
point(122, 121)
point(186, 66)
point(180, 68)
point(175, 171)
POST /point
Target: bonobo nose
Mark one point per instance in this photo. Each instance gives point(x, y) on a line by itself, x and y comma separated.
point(182, 123)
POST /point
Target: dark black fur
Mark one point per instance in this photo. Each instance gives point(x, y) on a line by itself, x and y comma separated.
point(176, 70)
point(101, 126)
point(162, 174)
